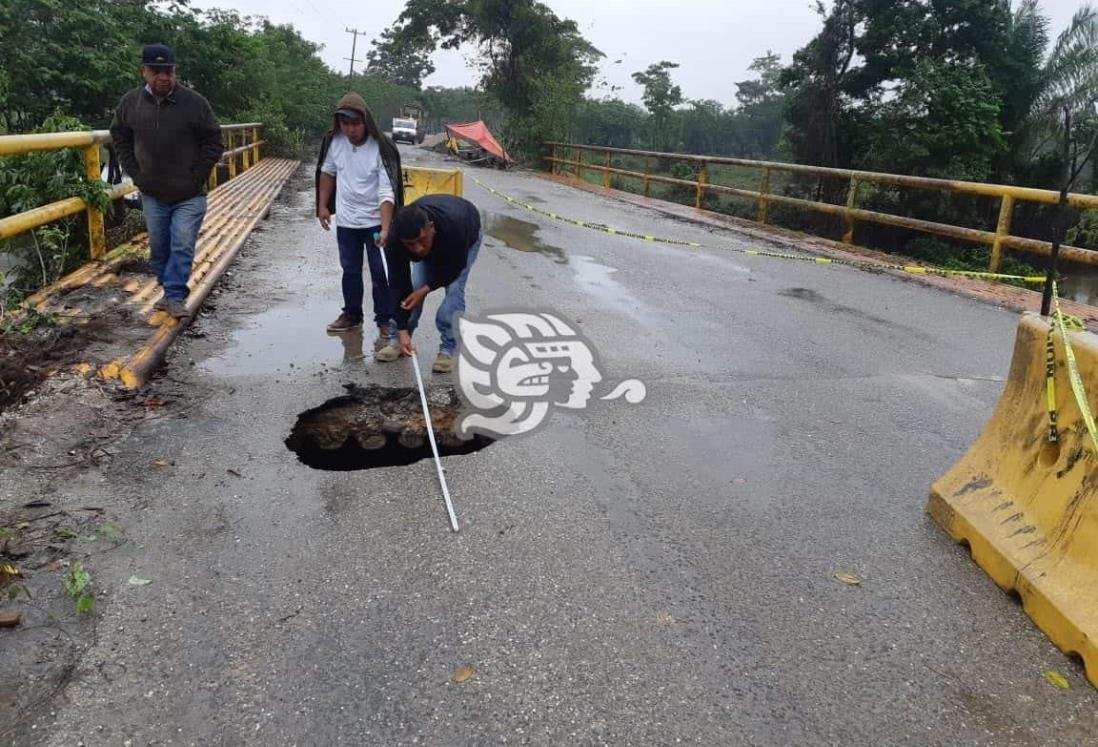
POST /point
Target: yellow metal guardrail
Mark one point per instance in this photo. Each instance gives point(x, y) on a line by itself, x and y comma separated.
point(243, 143)
point(998, 240)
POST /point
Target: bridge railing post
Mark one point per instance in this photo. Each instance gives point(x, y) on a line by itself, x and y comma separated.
point(232, 158)
point(579, 164)
point(647, 174)
point(606, 173)
point(97, 235)
point(764, 201)
point(848, 213)
point(703, 179)
point(255, 147)
point(1002, 230)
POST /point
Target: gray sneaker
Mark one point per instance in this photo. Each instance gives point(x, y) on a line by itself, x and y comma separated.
point(444, 363)
point(162, 304)
point(388, 354)
point(178, 309)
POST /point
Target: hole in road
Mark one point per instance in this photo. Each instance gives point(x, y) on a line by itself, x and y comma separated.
point(519, 234)
point(376, 426)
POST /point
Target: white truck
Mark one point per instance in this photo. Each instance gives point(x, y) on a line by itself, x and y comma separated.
point(406, 130)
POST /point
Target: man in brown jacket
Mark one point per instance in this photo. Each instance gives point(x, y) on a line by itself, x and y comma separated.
point(167, 139)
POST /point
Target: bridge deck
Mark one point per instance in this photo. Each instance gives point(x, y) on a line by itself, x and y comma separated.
point(118, 292)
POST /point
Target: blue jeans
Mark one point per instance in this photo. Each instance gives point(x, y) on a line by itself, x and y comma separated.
point(173, 231)
point(453, 303)
point(353, 243)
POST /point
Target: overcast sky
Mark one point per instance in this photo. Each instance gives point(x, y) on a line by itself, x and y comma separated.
point(713, 41)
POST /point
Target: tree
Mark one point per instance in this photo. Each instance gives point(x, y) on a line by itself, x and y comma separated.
point(761, 114)
point(525, 54)
point(821, 120)
point(943, 122)
point(610, 122)
point(405, 67)
point(76, 57)
point(660, 96)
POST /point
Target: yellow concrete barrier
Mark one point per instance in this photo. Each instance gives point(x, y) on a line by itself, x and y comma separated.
point(420, 181)
point(1028, 507)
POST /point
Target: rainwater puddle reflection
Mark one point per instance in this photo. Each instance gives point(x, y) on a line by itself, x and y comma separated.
point(287, 337)
point(519, 234)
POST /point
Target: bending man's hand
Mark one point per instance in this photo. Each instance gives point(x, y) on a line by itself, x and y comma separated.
point(406, 342)
point(415, 298)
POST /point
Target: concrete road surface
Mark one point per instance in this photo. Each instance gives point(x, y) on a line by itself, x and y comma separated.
point(657, 573)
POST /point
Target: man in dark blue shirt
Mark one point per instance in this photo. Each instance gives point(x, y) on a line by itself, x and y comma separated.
point(433, 244)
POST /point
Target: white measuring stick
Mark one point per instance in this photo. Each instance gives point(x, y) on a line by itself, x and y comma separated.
point(434, 446)
point(426, 412)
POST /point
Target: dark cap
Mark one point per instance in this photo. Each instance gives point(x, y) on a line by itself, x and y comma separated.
point(349, 113)
point(157, 54)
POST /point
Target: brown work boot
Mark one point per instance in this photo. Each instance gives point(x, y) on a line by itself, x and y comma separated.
point(344, 323)
point(444, 363)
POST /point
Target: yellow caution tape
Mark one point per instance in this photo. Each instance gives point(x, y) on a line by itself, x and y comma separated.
point(1076, 380)
point(583, 224)
point(911, 269)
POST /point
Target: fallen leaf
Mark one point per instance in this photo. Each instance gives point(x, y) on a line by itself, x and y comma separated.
point(161, 462)
point(9, 618)
point(135, 581)
point(463, 675)
point(1057, 679)
point(234, 473)
point(64, 533)
point(847, 578)
point(665, 618)
point(37, 504)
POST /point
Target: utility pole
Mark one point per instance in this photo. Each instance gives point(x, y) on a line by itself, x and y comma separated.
point(354, 44)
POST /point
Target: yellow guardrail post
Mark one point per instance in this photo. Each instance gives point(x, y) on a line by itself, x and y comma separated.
point(232, 158)
point(1002, 230)
point(97, 236)
point(764, 202)
point(848, 214)
point(606, 173)
point(703, 178)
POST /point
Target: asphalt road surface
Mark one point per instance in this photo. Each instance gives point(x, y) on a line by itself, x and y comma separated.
point(652, 573)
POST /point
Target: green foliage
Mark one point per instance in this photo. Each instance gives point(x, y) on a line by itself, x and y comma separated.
point(405, 66)
point(611, 122)
point(525, 52)
point(943, 122)
point(36, 179)
point(660, 96)
point(1085, 231)
point(76, 583)
point(969, 257)
point(76, 57)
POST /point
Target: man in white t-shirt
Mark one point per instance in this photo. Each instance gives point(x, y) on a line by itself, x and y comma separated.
point(357, 168)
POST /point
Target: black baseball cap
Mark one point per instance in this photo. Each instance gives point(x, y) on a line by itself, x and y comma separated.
point(157, 54)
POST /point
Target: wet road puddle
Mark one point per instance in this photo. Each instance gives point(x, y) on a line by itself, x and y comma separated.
point(520, 235)
point(376, 426)
point(283, 338)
